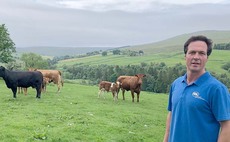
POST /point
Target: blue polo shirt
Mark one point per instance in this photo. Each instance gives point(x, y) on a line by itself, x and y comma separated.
point(197, 109)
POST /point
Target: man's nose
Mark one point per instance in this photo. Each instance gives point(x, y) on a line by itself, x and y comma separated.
point(196, 56)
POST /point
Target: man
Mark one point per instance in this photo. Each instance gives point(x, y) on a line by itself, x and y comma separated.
point(199, 104)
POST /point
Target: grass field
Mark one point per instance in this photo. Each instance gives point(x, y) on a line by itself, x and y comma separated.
point(78, 115)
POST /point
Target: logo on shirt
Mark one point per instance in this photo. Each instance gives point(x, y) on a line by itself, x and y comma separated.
point(197, 95)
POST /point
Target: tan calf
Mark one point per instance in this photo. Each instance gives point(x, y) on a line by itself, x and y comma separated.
point(106, 86)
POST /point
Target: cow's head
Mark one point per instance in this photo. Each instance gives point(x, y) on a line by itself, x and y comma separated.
point(2, 71)
point(119, 84)
point(32, 69)
point(140, 75)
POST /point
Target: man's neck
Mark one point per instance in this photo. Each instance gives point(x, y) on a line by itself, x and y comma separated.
point(193, 76)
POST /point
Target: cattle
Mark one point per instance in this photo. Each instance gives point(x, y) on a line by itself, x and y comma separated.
point(21, 90)
point(108, 87)
point(45, 82)
point(25, 79)
point(53, 75)
point(132, 83)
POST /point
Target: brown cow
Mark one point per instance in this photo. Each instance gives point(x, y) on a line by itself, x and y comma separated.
point(132, 83)
point(53, 75)
point(45, 82)
point(108, 87)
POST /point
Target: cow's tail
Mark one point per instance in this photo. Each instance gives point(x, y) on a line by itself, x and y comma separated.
point(59, 72)
point(62, 82)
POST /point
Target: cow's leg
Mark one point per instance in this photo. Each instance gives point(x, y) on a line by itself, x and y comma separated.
point(132, 93)
point(118, 90)
point(19, 90)
point(99, 94)
point(59, 87)
point(138, 95)
point(14, 90)
point(115, 96)
point(44, 88)
point(59, 83)
point(39, 90)
point(25, 91)
point(123, 94)
point(104, 94)
point(113, 93)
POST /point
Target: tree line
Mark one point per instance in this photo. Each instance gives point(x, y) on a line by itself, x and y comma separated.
point(222, 46)
point(158, 76)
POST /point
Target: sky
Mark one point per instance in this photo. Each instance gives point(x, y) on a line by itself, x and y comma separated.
point(108, 23)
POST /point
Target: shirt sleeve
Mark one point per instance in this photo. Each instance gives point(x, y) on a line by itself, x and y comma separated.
point(220, 103)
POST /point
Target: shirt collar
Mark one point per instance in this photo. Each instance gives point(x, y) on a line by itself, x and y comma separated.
point(200, 80)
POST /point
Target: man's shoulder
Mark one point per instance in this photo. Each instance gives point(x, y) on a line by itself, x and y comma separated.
point(180, 79)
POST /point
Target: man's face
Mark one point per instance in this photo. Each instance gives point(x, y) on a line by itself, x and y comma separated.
point(196, 57)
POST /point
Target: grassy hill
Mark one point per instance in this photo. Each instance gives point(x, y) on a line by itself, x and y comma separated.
point(169, 51)
point(176, 43)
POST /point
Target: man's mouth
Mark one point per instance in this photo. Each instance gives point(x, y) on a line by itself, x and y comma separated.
point(195, 63)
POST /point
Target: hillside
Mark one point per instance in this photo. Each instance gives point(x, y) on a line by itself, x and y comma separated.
point(176, 43)
point(169, 51)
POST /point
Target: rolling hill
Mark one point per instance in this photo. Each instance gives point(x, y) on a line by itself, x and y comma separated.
point(169, 45)
point(176, 43)
point(169, 51)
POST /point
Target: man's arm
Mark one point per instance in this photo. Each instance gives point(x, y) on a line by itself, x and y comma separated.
point(168, 120)
point(224, 135)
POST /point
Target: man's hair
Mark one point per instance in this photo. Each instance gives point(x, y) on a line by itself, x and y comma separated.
point(199, 38)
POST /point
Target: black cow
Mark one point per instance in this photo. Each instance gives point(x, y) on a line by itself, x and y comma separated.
point(25, 79)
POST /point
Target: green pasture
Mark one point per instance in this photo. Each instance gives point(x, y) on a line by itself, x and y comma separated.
point(78, 115)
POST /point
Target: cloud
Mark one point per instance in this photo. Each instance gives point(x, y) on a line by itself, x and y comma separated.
point(124, 5)
point(189, 2)
point(101, 5)
point(107, 23)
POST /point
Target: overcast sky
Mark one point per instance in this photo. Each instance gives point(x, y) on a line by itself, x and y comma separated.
point(108, 23)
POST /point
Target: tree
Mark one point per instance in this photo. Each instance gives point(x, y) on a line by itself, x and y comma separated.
point(33, 60)
point(116, 52)
point(7, 47)
point(141, 52)
point(104, 53)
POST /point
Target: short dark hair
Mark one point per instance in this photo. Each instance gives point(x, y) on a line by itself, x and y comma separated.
point(199, 38)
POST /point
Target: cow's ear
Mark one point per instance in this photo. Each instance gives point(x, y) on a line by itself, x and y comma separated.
point(2, 68)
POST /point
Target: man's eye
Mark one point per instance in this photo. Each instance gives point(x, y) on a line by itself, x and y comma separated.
point(202, 53)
